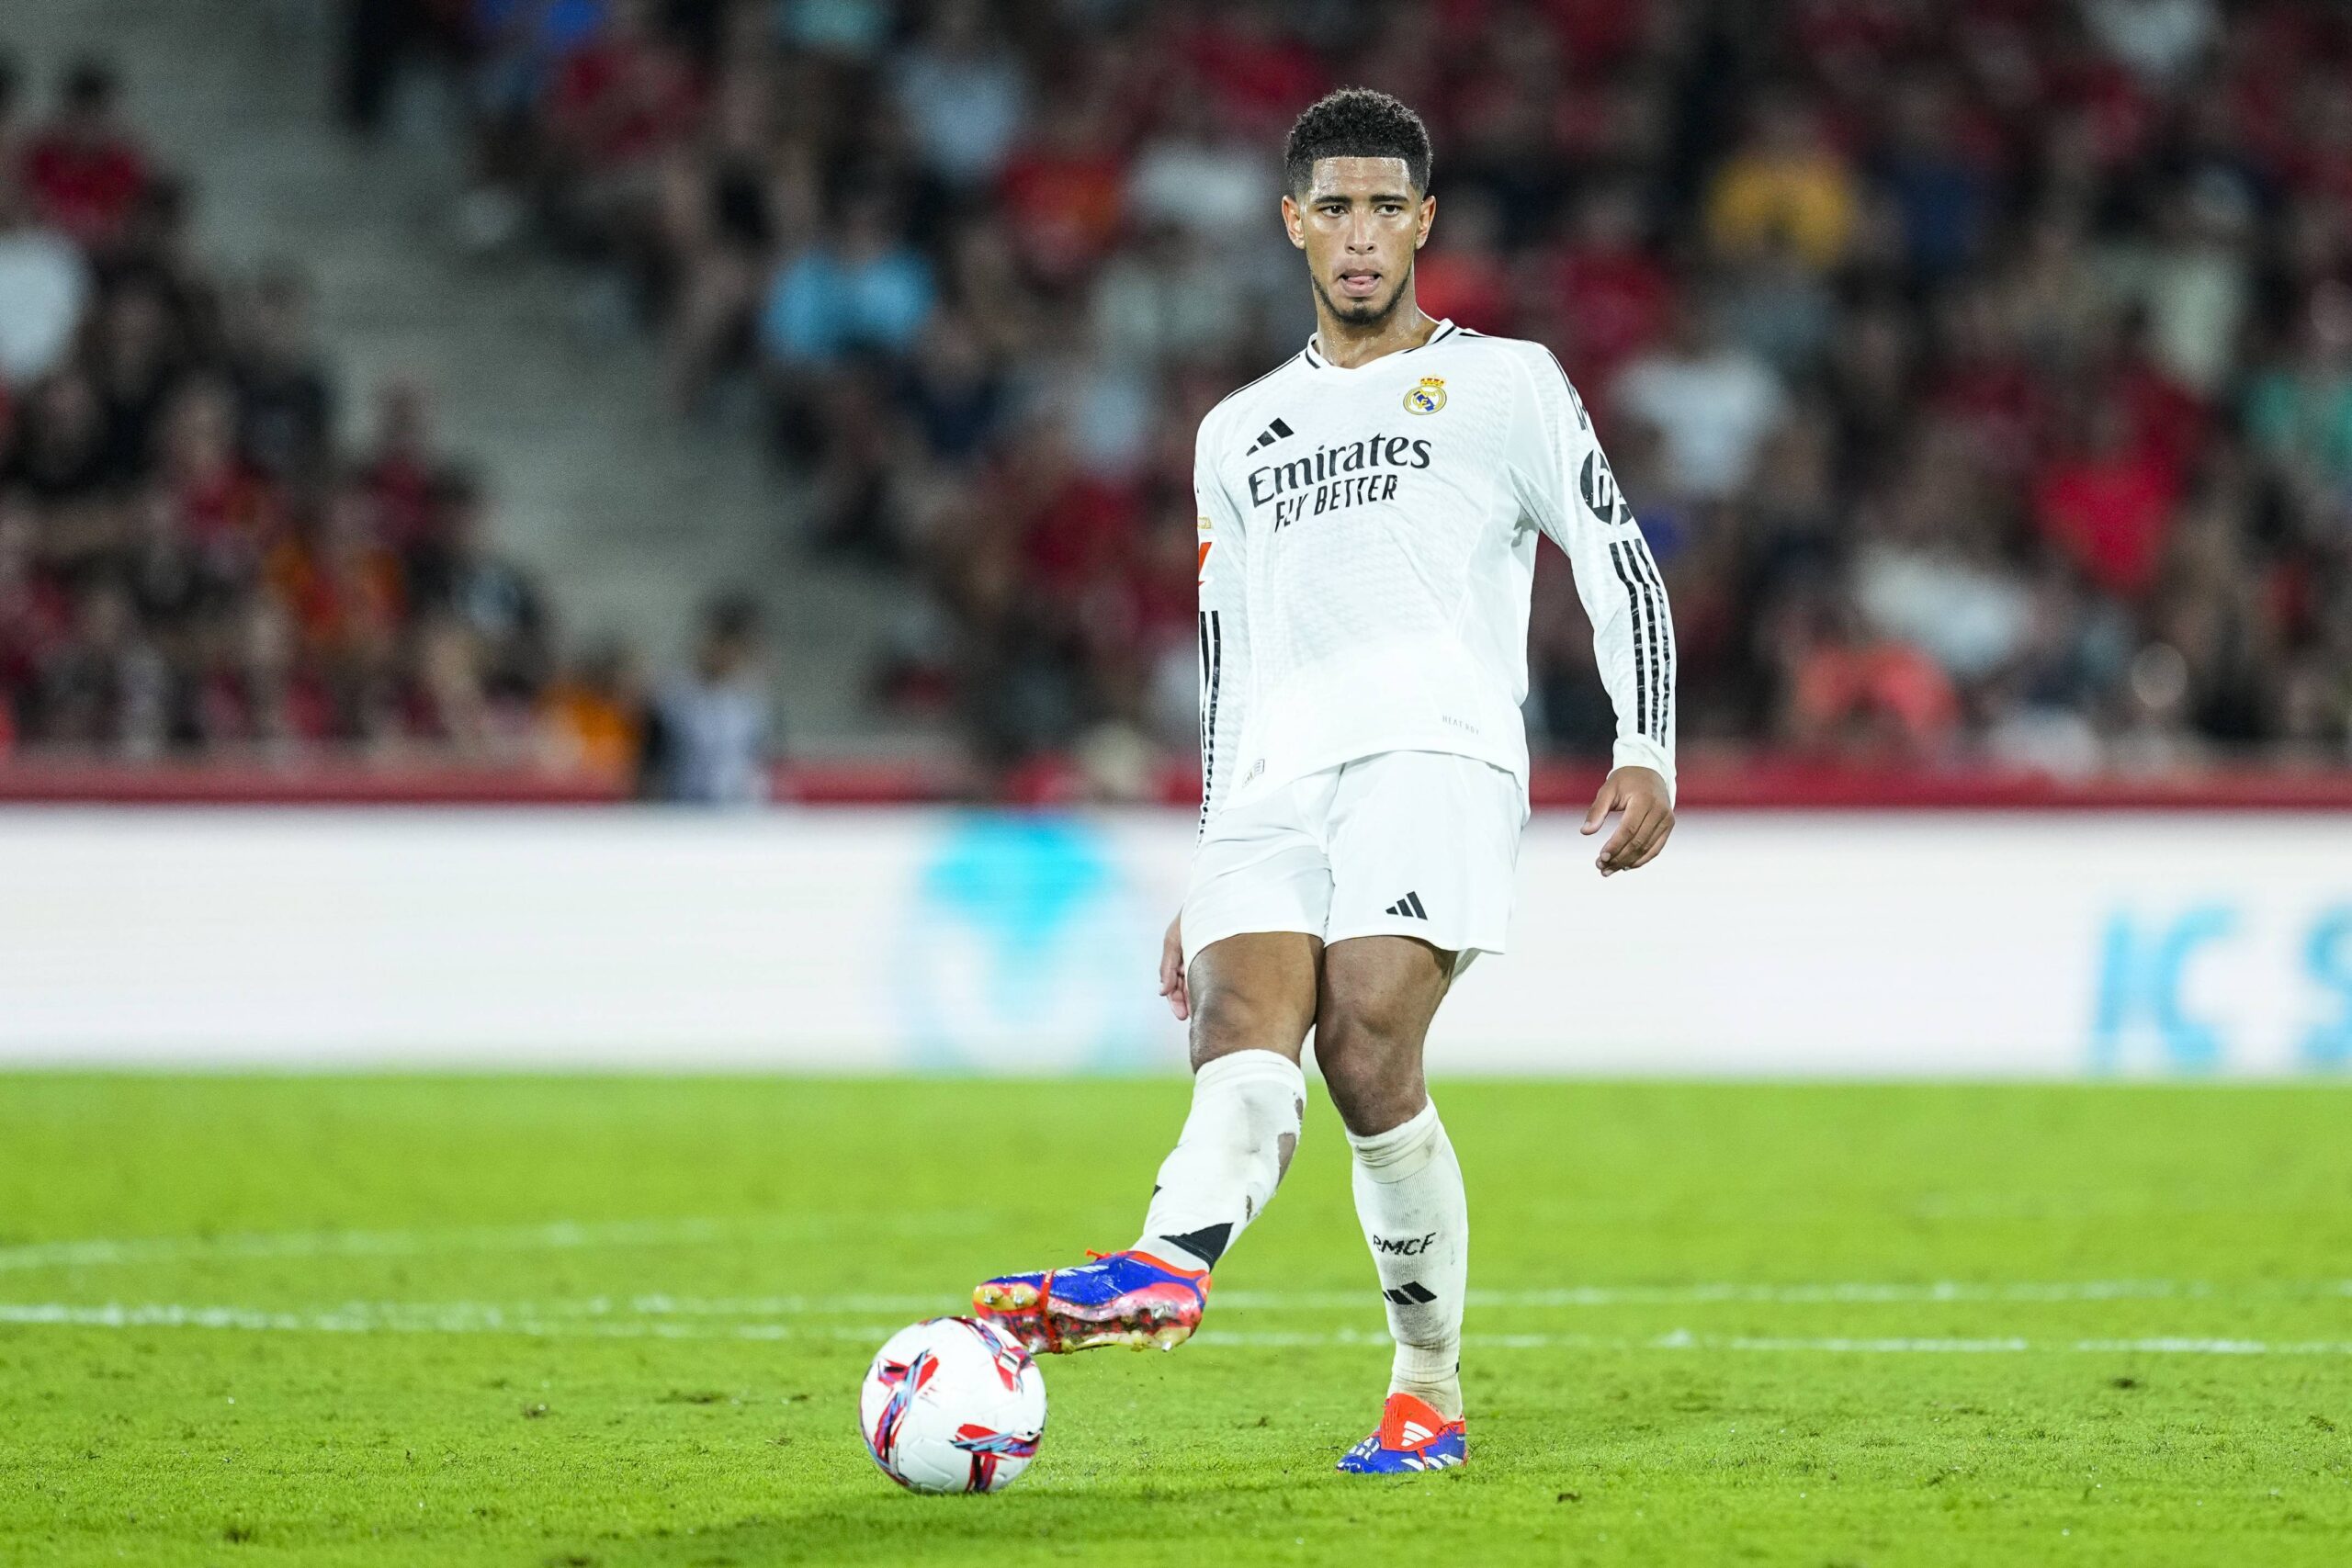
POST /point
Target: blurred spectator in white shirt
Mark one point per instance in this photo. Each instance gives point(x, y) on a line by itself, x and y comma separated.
point(1160, 299)
point(962, 93)
point(1203, 175)
point(2158, 40)
point(1930, 572)
point(1712, 404)
point(707, 743)
point(43, 289)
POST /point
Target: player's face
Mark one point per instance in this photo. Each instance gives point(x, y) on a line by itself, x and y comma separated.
point(1360, 223)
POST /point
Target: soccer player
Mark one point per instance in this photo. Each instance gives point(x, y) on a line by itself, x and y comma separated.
point(1368, 514)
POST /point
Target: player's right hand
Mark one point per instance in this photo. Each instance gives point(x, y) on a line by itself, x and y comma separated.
point(1171, 970)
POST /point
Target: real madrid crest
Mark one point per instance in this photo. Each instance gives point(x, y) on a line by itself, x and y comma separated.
point(1427, 398)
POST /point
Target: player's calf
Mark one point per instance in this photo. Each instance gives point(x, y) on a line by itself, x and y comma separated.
point(1248, 1107)
point(1238, 1139)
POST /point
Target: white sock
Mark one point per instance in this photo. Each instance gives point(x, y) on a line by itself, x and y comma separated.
point(1226, 1163)
point(1410, 1197)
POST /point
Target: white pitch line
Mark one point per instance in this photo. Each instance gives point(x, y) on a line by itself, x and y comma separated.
point(479, 1318)
point(1683, 1340)
point(662, 1304)
point(583, 1236)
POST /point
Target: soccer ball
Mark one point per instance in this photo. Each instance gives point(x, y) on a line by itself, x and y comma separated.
point(953, 1405)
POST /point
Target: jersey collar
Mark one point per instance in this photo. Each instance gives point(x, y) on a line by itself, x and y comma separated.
point(1314, 360)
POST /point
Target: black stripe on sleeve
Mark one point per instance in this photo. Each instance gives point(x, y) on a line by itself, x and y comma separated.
point(1641, 661)
point(1647, 563)
point(1653, 633)
point(1204, 723)
point(1213, 662)
point(1203, 720)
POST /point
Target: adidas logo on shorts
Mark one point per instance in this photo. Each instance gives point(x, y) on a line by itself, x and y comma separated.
point(1410, 905)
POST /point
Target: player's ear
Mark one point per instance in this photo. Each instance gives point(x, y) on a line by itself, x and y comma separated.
point(1428, 217)
point(1293, 221)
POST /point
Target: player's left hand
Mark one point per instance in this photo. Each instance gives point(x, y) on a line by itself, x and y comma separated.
point(1648, 816)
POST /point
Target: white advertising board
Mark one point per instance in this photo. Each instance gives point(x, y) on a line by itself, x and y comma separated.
point(1877, 945)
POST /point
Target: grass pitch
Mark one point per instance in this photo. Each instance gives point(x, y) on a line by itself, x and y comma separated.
point(622, 1321)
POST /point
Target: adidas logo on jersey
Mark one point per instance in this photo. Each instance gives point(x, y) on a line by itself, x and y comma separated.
point(1410, 905)
point(1269, 435)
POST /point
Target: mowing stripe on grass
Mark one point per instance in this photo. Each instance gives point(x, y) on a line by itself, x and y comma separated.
point(566, 1320)
point(580, 1236)
point(559, 1235)
point(1700, 1294)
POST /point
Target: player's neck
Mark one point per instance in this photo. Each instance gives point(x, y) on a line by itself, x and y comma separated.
point(1349, 345)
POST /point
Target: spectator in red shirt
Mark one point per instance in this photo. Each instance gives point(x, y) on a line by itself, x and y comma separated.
point(624, 95)
point(1063, 194)
point(34, 611)
point(1615, 295)
point(401, 471)
point(84, 171)
point(1987, 385)
point(1461, 275)
point(258, 691)
point(2108, 505)
point(1076, 525)
point(2163, 419)
point(344, 589)
point(1260, 71)
point(1851, 695)
point(227, 511)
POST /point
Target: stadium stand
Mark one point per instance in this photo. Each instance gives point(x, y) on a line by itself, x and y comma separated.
point(1979, 371)
point(191, 564)
point(1982, 372)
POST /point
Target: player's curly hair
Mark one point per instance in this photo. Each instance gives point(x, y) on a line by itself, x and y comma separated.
point(1356, 122)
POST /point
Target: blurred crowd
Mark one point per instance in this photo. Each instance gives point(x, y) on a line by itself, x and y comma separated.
point(1981, 369)
point(189, 560)
point(193, 565)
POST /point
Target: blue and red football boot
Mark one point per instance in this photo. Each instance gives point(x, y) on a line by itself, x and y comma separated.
point(1119, 1298)
point(1410, 1436)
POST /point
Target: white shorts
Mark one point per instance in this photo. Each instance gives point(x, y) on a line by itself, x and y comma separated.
point(1400, 844)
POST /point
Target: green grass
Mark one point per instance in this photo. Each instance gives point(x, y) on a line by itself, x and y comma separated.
point(622, 1321)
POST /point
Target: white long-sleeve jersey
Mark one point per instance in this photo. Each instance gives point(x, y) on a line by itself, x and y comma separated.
point(1367, 553)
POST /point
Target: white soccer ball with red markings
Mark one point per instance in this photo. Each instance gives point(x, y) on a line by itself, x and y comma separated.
point(953, 1405)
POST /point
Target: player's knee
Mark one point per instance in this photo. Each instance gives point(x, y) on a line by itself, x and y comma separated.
point(1377, 1015)
point(1228, 1018)
point(1371, 1065)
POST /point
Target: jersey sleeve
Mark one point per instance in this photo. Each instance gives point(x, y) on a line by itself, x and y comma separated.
point(1224, 628)
point(1565, 488)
